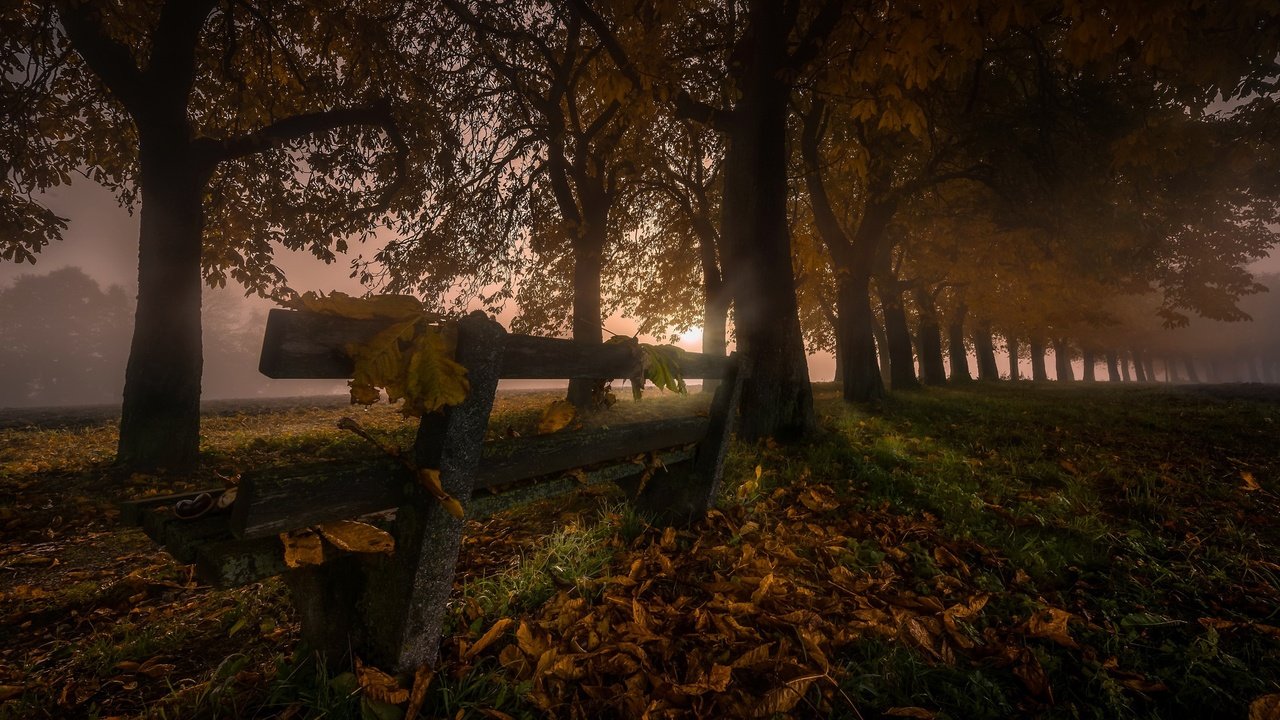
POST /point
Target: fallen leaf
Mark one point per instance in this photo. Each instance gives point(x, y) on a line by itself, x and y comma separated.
point(418, 695)
point(495, 631)
point(302, 548)
point(9, 691)
point(1266, 707)
point(355, 536)
point(379, 686)
point(911, 712)
point(1250, 485)
point(556, 417)
point(1051, 624)
point(783, 699)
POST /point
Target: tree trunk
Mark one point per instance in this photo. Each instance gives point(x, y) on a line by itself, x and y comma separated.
point(1171, 371)
point(902, 368)
point(715, 296)
point(957, 353)
point(1192, 374)
point(861, 372)
point(882, 350)
point(1139, 371)
point(1038, 372)
point(1090, 363)
point(1062, 361)
point(776, 397)
point(588, 264)
point(160, 416)
point(1149, 365)
point(1011, 344)
point(985, 349)
point(1113, 367)
point(932, 369)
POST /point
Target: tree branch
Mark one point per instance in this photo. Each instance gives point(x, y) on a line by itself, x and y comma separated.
point(110, 60)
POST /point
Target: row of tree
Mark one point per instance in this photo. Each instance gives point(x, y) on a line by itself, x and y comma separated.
point(803, 164)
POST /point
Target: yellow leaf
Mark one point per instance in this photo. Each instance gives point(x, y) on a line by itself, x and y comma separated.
point(301, 548)
point(359, 537)
point(556, 417)
point(1266, 707)
point(379, 363)
point(782, 699)
point(434, 378)
point(1250, 485)
point(418, 695)
point(1051, 624)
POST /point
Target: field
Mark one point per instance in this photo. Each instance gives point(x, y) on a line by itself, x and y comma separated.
point(972, 552)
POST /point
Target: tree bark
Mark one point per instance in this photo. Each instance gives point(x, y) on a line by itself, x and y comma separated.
point(861, 371)
point(776, 396)
point(1038, 372)
point(1062, 361)
point(902, 367)
point(1139, 369)
point(160, 415)
point(1113, 366)
point(882, 350)
point(932, 369)
point(957, 353)
point(1090, 363)
point(1149, 365)
point(1011, 344)
point(1190, 364)
point(985, 349)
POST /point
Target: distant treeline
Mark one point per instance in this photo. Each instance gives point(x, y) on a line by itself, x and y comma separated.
point(66, 342)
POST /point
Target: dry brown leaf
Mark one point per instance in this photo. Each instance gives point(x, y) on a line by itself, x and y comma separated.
point(418, 695)
point(1250, 485)
point(379, 686)
point(911, 712)
point(1033, 677)
point(556, 417)
point(302, 548)
point(354, 536)
point(10, 691)
point(1266, 707)
point(1051, 624)
point(754, 656)
point(783, 699)
point(532, 646)
point(429, 478)
point(491, 635)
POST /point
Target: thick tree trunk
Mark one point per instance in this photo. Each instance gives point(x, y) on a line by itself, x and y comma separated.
point(160, 416)
point(1149, 365)
point(1124, 367)
point(1113, 367)
point(1190, 364)
point(957, 353)
point(1038, 372)
point(715, 321)
point(882, 350)
point(1171, 371)
point(1139, 369)
point(985, 349)
point(1090, 363)
point(932, 369)
point(861, 371)
point(776, 397)
point(1062, 361)
point(902, 368)
point(588, 320)
point(1011, 345)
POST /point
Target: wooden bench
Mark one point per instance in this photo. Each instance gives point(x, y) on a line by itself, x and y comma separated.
point(389, 609)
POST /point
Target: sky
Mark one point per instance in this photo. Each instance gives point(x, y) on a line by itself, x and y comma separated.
point(102, 239)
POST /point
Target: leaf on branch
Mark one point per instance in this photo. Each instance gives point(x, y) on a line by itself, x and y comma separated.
point(354, 536)
point(302, 548)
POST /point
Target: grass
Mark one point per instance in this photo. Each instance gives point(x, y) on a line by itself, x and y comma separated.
point(1125, 512)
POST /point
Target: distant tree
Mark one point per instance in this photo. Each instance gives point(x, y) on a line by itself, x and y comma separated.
point(65, 340)
point(228, 125)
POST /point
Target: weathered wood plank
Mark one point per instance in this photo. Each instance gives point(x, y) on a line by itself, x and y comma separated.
point(131, 511)
point(519, 459)
point(300, 496)
point(483, 505)
point(311, 345)
point(281, 500)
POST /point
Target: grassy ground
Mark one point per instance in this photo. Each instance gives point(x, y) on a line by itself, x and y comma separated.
point(965, 553)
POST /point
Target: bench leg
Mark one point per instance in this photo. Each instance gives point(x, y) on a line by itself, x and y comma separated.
point(683, 498)
point(325, 597)
point(404, 606)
